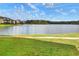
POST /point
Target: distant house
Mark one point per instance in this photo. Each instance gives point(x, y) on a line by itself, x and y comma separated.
point(5, 20)
point(14, 22)
point(1, 21)
point(18, 21)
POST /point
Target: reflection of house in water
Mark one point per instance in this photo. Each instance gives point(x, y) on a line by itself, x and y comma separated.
point(27, 29)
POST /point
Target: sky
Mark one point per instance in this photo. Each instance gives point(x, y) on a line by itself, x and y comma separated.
point(43, 11)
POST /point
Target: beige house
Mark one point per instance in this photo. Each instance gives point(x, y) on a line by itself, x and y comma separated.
point(1, 21)
point(8, 21)
point(18, 21)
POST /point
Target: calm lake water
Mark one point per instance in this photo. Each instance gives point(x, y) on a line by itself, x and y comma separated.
point(39, 29)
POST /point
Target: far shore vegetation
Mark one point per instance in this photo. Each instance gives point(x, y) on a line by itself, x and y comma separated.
point(5, 20)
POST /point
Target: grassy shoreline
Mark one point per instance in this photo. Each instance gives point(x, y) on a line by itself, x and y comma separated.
point(50, 35)
point(8, 25)
point(15, 46)
point(5, 25)
point(12, 46)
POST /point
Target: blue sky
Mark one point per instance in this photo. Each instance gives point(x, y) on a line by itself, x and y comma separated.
point(45, 11)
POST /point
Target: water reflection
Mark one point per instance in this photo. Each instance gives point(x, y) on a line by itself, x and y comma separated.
point(39, 29)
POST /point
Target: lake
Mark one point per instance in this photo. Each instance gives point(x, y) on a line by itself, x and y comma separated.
point(39, 29)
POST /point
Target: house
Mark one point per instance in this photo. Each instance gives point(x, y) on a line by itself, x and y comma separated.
point(1, 21)
point(5, 20)
point(18, 21)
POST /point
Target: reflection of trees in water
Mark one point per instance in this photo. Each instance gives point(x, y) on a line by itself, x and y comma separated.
point(5, 27)
point(39, 29)
point(5, 30)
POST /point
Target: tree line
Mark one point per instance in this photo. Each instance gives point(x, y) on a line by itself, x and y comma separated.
point(5, 20)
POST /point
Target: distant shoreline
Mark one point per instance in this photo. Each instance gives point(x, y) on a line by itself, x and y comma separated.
point(38, 24)
point(5, 20)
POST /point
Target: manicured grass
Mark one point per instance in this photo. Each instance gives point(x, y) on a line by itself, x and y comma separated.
point(11, 46)
point(63, 41)
point(56, 35)
point(5, 25)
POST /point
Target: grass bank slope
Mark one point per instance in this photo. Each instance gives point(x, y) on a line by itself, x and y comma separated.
point(11, 46)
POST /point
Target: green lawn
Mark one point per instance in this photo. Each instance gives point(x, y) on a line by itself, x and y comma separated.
point(5, 25)
point(11, 46)
point(55, 35)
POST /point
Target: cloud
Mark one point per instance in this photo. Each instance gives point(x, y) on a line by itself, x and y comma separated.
point(73, 11)
point(42, 13)
point(36, 12)
point(16, 9)
point(22, 8)
point(48, 5)
point(61, 11)
point(19, 9)
point(34, 8)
